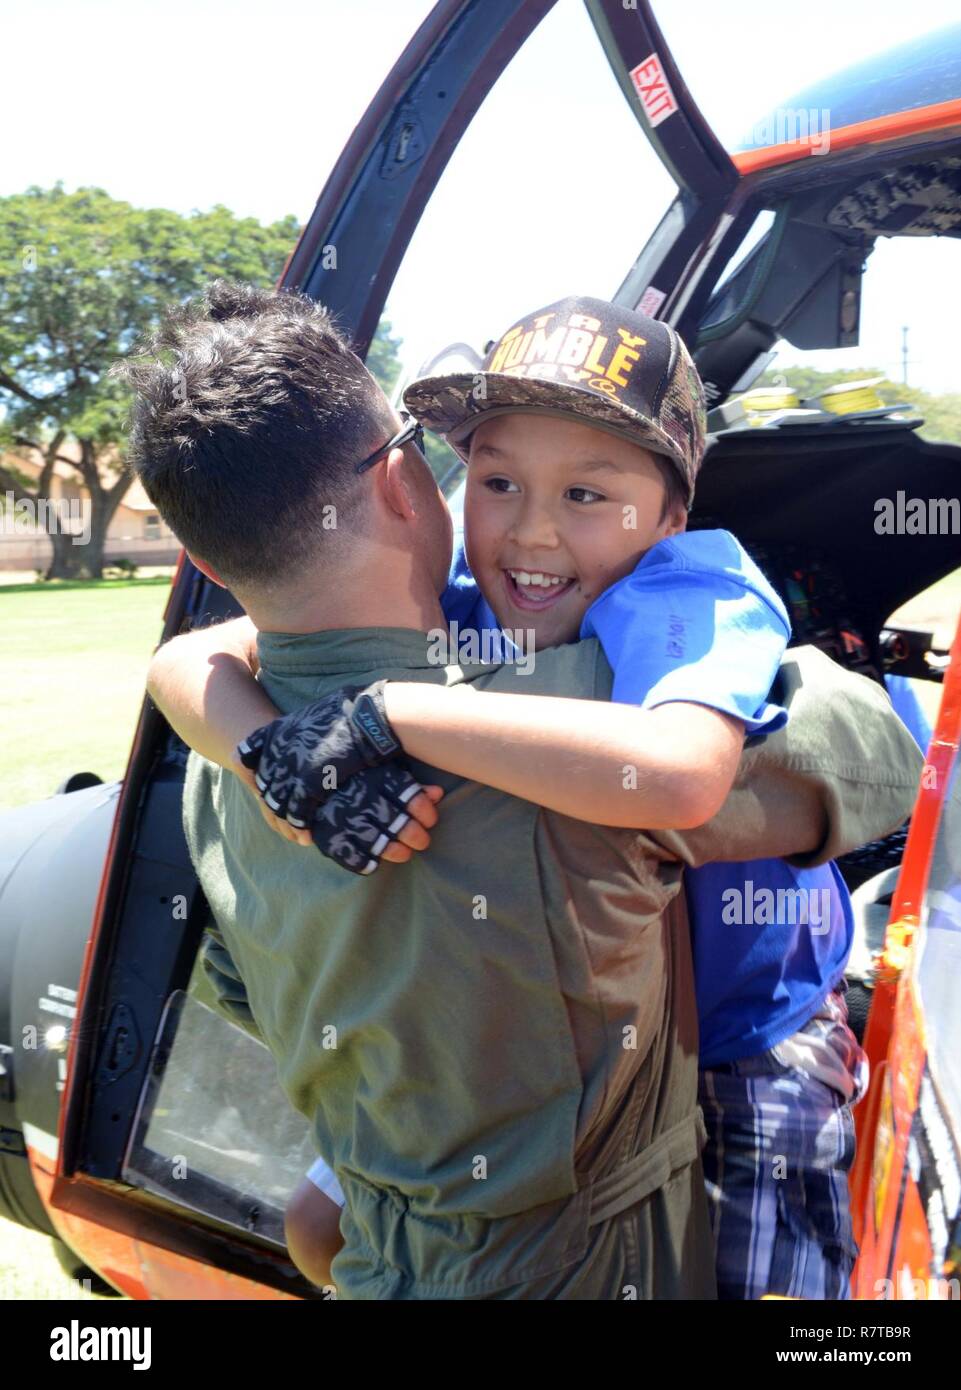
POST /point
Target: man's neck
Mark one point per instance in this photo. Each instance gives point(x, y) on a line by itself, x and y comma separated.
point(359, 599)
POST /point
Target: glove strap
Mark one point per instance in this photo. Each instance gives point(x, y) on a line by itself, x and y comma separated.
point(369, 719)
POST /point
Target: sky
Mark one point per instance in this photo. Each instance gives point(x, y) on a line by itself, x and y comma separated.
point(553, 190)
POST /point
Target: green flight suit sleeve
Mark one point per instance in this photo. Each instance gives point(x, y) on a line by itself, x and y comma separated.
point(843, 771)
point(223, 977)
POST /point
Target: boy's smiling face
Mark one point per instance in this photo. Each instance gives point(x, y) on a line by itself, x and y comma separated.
point(555, 512)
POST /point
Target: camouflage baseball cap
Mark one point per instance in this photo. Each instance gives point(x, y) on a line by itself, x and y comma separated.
point(603, 364)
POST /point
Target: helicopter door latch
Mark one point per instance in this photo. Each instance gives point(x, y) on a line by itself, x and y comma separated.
point(405, 145)
point(121, 1047)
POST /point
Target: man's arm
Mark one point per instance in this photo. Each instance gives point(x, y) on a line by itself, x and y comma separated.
point(842, 772)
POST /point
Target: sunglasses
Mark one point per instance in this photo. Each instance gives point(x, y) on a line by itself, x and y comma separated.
point(411, 432)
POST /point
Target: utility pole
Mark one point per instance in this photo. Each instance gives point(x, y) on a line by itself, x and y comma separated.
point(904, 355)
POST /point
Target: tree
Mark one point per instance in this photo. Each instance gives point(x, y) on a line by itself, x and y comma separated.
point(84, 277)
point(383, 357)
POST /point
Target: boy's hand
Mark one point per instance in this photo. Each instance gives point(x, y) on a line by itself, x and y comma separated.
point(302, 759)
point(383, 814)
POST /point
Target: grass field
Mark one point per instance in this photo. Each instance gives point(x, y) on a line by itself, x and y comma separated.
point(73, 660)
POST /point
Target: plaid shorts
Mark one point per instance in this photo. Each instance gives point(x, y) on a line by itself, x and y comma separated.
point(780, 1143)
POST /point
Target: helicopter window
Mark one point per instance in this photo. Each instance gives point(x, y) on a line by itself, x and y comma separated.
point(214, 1132)
point(759, 229)
point(908, 298)
point(395, 368)
point(552, 191)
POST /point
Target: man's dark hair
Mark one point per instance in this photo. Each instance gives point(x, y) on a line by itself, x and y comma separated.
point(250, 411)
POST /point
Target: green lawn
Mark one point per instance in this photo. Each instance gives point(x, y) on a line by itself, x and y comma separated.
point(73, 660)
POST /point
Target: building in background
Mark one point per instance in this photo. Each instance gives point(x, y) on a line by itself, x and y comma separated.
point(136, 532)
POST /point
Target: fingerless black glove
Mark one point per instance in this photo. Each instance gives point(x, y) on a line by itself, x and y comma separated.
point(355, 827)
point(302, 759)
